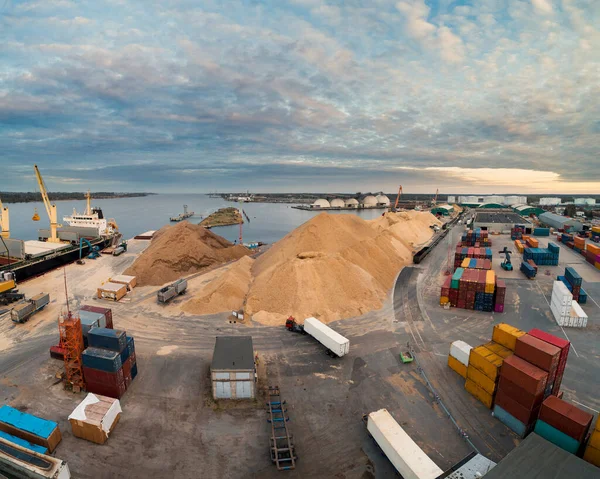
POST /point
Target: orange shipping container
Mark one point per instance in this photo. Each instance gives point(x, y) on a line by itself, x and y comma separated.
point(506, 335)
point(592, 455)
point(485, 383)
point(500, 350)
point(486, 361)
point(486, 398)
point(593, 248)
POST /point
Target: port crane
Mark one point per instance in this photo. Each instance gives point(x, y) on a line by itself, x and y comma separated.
point(397, 199)
point(4, 221)
point(434, 201)
point(50, 208)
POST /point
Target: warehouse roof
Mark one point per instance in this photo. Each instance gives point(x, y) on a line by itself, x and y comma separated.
point(537, 458)
point(497, 217)
point(557, 218)
point(233, 352)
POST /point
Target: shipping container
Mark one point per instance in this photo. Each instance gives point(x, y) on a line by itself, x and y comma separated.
point(511, 422)
point(457, 366)
point(524, 398)
point(486, 361)
point(107, 312)
point(499, 349)
point(23, 443)
point(29, 427)
point(113, 339)
point(98, 376)
point(112, 291)
point(556, 437)
point(506, 335)
point(484, 397)
point(592, 455)
point(40, 300)
point(537, 352)
point(114, 391)
point(89, 323)
point(95, 418)
point(514, 408)
point(481, 380)
point(333, 341)
point(563, 345)
point(91, 316)
point(102, 359)
point(525, 375)
point(460, 351)
point(566, 417)
point(404, 454)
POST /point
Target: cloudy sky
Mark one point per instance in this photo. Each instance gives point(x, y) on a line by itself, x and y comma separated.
point(301, 95)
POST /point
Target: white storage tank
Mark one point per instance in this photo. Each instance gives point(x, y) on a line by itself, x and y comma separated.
point(511, 200)
point(351, 203)
point(383, 200)
point(321, 203)
point(369, 201)
point(337, 203)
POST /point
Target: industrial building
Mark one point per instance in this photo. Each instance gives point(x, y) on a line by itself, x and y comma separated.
point(585, 201)
point(526, 210)
point(497, 221)
point(383, 200)
point(321, 203)
point(351, 203)
point(232, 370)
point(475, 201)
point(560, 222)
point(337, 203)
point(550, 201)
point(444, 210)
point(369, 201)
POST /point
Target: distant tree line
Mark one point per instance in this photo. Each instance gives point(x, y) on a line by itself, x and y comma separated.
point(30, 197)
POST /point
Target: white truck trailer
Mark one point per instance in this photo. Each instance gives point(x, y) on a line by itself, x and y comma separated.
point(405, 455)
point(335, 343)
point(166, 294)
point(27, 308)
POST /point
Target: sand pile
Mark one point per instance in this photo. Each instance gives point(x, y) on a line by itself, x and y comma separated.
point(179, 250)
point(334, 266)
point(224, 293)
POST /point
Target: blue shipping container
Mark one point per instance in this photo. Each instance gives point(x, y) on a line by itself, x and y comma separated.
point(528, 270)
point(541, 231)
point(124, 355)
point(134, 371)
point(102, 359)
point(112, 339)
point(573, 276)
point(23, 443)
point(511, 422)
point(556, 437)
point(27, 422)
point(90, 316)
point(130, 345)
point(582, 296)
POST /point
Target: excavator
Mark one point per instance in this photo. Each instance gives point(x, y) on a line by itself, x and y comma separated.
point(93, 254)
point(395, 207)
point(8, 285)
point(506, 264)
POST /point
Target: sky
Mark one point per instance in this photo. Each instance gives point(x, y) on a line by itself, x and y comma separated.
point(301, 95)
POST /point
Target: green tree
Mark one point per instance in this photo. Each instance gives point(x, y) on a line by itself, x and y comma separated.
point(570, 210)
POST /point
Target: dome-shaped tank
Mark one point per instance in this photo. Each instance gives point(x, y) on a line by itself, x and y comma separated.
point(351, 203)
point(321, 203)
point(337, 203)
point(369, 201)
point(383, 200)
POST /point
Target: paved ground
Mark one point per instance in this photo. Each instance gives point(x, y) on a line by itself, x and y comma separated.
point(172, 428)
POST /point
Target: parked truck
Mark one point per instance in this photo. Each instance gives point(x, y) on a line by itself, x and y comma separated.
point(336, 344)
point(404, 454)
point(167, 293)
point(25, 309)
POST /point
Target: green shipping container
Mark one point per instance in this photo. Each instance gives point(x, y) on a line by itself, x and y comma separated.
point(556, 437)
point(456, 278)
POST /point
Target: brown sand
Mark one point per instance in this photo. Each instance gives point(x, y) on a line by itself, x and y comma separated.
point(224, 293)
point(180, 250)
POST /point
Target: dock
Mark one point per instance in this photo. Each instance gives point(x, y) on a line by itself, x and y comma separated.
point(145, 236)
point(338, 208)
point(182, 216)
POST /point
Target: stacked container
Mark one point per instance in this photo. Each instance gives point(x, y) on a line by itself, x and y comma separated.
point(499, 295)
point(506, 335)
point(563, 424)
point(470, 289)
point(541, 354)
point(592, 255)
point(528, 270)
point(520, 394)
point(474, 263)
point(476, 237)
point(445, 292)
point(543, 256)
point(573, 283)
point(30, 428)
point(520, 246)
point(578, 244)
point(592, 451)
point(541, 231)
point(516, 232)
point(483, 372)
point(564, 347)
point(566, 238)
point(458, 359)
point(109, 364)
point(107, 312)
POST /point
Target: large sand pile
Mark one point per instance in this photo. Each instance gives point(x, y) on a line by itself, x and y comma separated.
point(335, 266)
point(224, 293)
point(179, 250)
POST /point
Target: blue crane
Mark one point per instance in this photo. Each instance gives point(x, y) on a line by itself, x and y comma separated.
point(93, 254)
point(506, 264)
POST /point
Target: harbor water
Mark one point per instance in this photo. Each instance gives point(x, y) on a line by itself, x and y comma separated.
point(269, 222)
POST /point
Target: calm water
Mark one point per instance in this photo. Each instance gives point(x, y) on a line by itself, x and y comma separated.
point(268, 222)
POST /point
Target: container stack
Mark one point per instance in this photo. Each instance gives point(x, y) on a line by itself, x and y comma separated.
point(483, 372)
point(107, 312)
point(473, 263)
point(109, 363)
point(596, 233)
point(458, 359)
point(476, 237)
point(564, 347)
point(516, 232)
point(528, 270)
point(465, 252)
point(573, 281)
point(592, 451)
point(30, 428)
point(542, 256)
point(531, 242)
point(592, 255)
point(506, 335)
point(578, 244)
point(541, 354)
point(499, 295)
point(541, 231)
point(520, 394)
point(563, 424)
point(472, 289)
point(566, 311)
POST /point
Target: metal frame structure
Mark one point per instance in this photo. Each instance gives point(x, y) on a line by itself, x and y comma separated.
point(283, 453)
point(71, 339)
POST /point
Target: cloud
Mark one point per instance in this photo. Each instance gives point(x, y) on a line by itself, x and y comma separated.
point(543, 6)
point(416, 13)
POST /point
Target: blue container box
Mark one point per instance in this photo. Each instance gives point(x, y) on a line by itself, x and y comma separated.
point(27, 422)
point(527, 270)
point(582, 296)
point(130, 345)
point(112, 339)
point(511, 422)
point(573, 276)
point(23, 443)
point(102, 359)
point(556, 437)
point(134, 371)
point(124, 355)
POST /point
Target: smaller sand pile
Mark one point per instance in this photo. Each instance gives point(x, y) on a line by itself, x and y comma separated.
point(182, 249)
point(224, 293)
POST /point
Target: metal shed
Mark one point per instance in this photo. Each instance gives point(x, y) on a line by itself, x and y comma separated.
point(560, 222)
point(444, 210)
point(526, 210)
point(232, 371)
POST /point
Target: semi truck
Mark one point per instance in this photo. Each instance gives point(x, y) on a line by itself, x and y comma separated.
point(336, 344)
point(404, 454)
point(25, 309)
point(166, 294)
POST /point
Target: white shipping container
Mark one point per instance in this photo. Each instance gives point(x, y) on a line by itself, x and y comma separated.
point(460, 351)
point(561, 293)
point(333, 341)
point(406, 456)
point(564, 309)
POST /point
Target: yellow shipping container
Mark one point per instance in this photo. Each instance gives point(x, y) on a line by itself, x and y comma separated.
point(444, 300)
point(597, 428)
point(481, 380)
point(499, 349)
point(486, 398)
point(595, 440)
point(457, 366)
point(592, 455)
point(597, 264)
point(506, 335)
point(465, 263)
point(596, 229)
point(486, 361)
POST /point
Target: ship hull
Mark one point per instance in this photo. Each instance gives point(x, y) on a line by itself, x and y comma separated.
point(27, 269)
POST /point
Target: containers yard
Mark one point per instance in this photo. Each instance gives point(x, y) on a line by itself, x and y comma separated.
point(456, 358)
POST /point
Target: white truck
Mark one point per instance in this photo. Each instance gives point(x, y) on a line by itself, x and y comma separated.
point(335, 343)
point(405, 455)
point(27, 308)
point(167, 293)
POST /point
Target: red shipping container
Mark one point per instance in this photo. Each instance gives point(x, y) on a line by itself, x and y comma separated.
point(115, 391)
point(107, 312)
point(471, 252)
point(470, 296)
point(564, 346)
point(524, 374)
point(566, 418)
point(447, 282)
point(525, 399)
point(102, 377)
point(462, 294)
point(487, 264)
point(538, 352)
point(461, 304)
point(500, 284)
point(525, 415)
point(127, 366)
point(127, 382)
